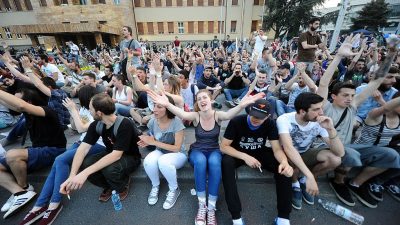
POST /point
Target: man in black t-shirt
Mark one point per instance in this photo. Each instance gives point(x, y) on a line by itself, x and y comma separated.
point(244, 142)
point(111, 168)
point(236, 86)
point(48, 141)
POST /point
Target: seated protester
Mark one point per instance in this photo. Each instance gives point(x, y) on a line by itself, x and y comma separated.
point(48, 205)
point(284, 73)
point(356, 72)
point(142, 95)
point(48, 141)
point(166, 133)
point(224, 72)
point(304, 84)
point(74, 72)
point(99, 74)
point(48, 87)
point(122, 96)
point(88, 78)
point(298, 130)
point(378, 129)
point(188, 91)
point(267, 62)
point(211, 83)
point(343, 109)
point(387, 91)
point(51, 70)
point(244, 142)
point(236, 86)
point(6, 118)
point(106, 79)
point(316, 72)
point(111, 168)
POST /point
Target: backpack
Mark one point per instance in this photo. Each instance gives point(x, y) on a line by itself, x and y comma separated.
point(117, 123)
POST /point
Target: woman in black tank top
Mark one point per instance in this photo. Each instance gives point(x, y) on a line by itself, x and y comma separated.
point(205, 155)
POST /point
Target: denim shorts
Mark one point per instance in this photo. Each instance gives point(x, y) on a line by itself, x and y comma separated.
point(39, 157)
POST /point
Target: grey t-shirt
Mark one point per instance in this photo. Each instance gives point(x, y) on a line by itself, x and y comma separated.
point(133, 45)
point(166, 136)
point(345, 129)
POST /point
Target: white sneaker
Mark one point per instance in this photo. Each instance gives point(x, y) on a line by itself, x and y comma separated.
point(30, 188)
point(172, 196)
point(8, 204)
point(19, 201)
point(153, 196)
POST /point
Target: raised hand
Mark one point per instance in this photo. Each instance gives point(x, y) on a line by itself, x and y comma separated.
point(131, 70)
point(156, 63)
point(5, 58)
point(158, 99)
point(69, 104)
point(26, 62)
point(301, 67)
point(345, 48)
point(250, 99)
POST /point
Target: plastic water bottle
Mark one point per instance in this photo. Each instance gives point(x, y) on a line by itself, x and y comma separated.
point(116, 201)
point(342, 211)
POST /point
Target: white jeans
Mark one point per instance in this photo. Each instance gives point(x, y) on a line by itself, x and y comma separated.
point(167, 164)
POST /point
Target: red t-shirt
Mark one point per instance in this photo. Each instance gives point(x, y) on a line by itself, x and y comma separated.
point(176, 43)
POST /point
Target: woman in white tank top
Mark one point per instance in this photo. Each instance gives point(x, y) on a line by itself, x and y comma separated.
point(122, 96)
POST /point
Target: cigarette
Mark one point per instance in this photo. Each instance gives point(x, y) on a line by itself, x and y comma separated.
point(260, 169)
point(69, 197)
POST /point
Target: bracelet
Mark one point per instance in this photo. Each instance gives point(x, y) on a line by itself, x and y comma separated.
point(158, 75)
point(28, 71)
point(134, 76)
point(334, 136)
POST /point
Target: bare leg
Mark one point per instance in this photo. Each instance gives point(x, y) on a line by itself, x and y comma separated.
point(366, 174)
point(328, 163)
point(136, 116)
point(8, 182)
point(17, 161)
point(341, 174)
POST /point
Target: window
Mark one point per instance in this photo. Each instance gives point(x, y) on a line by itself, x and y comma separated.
point(64, 2)
point(158, 3)
point(160, 26)
point(117, 2)
point(191, 27)
point(43, 3)
point(83, 2)
point(200, 2)
point(221, 26)
point(256, 2)
point(102, 22)
point(17, 4)
point(28, 5)
point(233, 26)
point(234, 2)
point(220, 2)
point(169, 3)
point(210, 2)
point(200, 27)
point(137, 3)
point(19, 36)
point(179, 3)
point(147, 3)
point(7, 5)
point(140, 28)
point(7, 32)
point(102, 1)
point(189, 2)
point(150, 28)
point(95, 2)
point(181, 28)
point(170, 27)
point(254, 25)
point(85, 21)
point(210, 27)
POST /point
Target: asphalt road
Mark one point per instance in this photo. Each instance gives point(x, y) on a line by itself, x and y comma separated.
point(258, 202)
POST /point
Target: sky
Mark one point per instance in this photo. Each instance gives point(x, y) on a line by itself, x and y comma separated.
point(331, 3)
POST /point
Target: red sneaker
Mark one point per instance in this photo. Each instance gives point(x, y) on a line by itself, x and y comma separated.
point(50, 216)
point(32, 217)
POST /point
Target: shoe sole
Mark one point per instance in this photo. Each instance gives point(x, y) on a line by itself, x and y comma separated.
point(55, 217)
point(363, 201)
point(195, 223)
point(340, 198)
point(394, 196)
point(36, 218)
point(308, 202)
point(172, 205)
point(296, 207)
point(374, 197)
point(19, 208)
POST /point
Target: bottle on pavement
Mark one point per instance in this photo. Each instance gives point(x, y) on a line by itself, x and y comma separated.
point(342, 211)
point(116, 201)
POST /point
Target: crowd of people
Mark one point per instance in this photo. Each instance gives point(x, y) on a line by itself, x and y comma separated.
point(295, 109)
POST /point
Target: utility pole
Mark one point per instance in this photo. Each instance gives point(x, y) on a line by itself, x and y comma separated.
point(339, 23)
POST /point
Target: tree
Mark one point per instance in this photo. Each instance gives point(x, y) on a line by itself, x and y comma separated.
point(286, 16)
point(372, 16)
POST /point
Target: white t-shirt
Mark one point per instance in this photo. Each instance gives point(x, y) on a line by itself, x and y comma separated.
point(74, 49)
point(259, 45)
point(100, 75)
point(86, 117)
point(302, 136)
point(188, 95)
point(50, 69)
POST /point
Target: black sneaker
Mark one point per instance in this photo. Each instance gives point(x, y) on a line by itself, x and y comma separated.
point(342, 192)
point(376, 191)
point(394, 191)
point(362, 194)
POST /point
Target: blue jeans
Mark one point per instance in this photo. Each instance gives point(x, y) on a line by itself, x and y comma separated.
point(282, 108)
point(231, 93)
point(122, 110)
point(201, 161)
point(18, 130)
point(59, 173)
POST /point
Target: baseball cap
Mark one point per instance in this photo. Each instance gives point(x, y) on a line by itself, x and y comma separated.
point(260, 109)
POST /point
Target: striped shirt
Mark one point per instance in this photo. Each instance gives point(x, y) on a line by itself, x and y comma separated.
point(369, 134)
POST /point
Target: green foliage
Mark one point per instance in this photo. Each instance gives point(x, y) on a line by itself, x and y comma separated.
point(286, 16)
point(372, 16)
